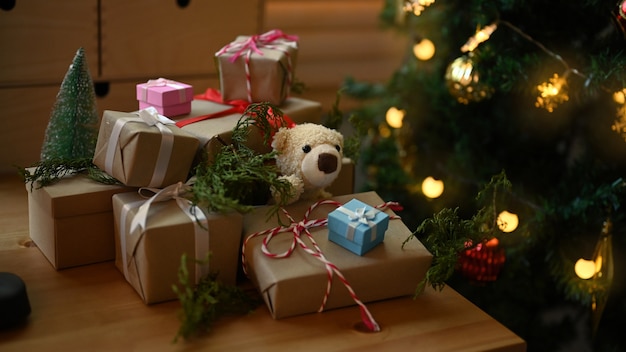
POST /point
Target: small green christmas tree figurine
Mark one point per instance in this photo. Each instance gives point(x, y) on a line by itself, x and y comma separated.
point(72, 131)
point(73, 127)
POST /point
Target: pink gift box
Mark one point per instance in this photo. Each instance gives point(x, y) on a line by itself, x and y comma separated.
point(170, 98)
point(169, 111)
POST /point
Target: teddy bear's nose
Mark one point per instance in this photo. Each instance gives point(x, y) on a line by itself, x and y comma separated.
point(327, 163)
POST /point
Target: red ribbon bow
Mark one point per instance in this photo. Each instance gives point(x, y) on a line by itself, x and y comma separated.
point(237, 107)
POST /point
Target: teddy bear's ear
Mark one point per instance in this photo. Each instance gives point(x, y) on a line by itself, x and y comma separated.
point(280, 138)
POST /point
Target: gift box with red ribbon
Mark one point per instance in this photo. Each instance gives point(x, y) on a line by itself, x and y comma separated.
point(144, 148)
point(152, 234)
point(169, 97)
point(298, 270)
point(357, 227)
point(258, 68)
point(212, 116)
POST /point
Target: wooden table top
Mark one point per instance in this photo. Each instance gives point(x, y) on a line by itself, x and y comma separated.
point(93, 308)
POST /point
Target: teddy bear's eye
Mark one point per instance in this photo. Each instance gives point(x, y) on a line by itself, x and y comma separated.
point(306, 148)
point(338, 148)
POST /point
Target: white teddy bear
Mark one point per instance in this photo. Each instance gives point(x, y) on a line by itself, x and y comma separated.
point(309, 157)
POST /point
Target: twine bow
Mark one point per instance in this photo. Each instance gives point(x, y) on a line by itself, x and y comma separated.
point(303, 227)
point(253, 44)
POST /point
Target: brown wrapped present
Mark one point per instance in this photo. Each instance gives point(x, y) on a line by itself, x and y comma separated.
point(144, 148)
point(151, 235)
point(297, 283)
point(71, 221)
point(258, 68)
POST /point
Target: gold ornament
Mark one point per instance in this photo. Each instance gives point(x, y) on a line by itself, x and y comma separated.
point(464, 82)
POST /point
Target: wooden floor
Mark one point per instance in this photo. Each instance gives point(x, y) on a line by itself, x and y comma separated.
point(13, 213)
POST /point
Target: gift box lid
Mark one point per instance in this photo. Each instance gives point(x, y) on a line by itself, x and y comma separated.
point(75, 195)
point(164, 92)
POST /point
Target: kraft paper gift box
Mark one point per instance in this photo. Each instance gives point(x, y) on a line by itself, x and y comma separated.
point(170, 98)
point(296, 284)
point(297, 109)
point(357, 227)
point(71, 221)
point(144, 149)
point(150, 256)
point(270, 59)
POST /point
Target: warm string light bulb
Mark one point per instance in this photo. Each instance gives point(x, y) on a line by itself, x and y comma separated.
point(619, 125)
point(507, 222)
point(552, 93)
point(480, 36)
point(432, 188)
point(394, 117)
point(585, 269)
point(424, 49)
point(416, 6)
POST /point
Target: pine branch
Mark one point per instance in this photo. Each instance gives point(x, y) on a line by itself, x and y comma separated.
point(239, 178)
point(49, 171)
point(203, 304)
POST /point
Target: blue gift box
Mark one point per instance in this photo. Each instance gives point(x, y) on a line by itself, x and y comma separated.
point(357, 226)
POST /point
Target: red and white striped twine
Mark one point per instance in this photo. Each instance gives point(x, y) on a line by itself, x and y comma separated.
point(303, 226)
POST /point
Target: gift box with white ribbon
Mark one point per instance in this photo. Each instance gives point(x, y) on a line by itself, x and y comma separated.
point(152, 234)
point(144, 149)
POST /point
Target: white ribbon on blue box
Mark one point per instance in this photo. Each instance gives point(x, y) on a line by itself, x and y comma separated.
point(357, 227)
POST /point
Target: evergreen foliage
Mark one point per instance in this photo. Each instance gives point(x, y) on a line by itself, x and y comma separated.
point(204, 303)
point(566, 167)
point(238, 177)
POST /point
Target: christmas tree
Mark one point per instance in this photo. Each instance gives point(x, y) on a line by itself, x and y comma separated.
point(513, 107)
point(73, 126)
point(72, 131)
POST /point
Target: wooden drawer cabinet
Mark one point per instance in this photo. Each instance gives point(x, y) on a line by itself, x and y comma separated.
point(125, 42)
point(148, 38)
point(38, 39)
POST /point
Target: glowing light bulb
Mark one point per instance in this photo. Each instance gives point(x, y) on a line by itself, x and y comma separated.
point(585, 269)
point(432, 188)
point(620, 96)
point(394, 117)
point(552, 93)
point(507, 222)
point(424, 50)
point(480, 36)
